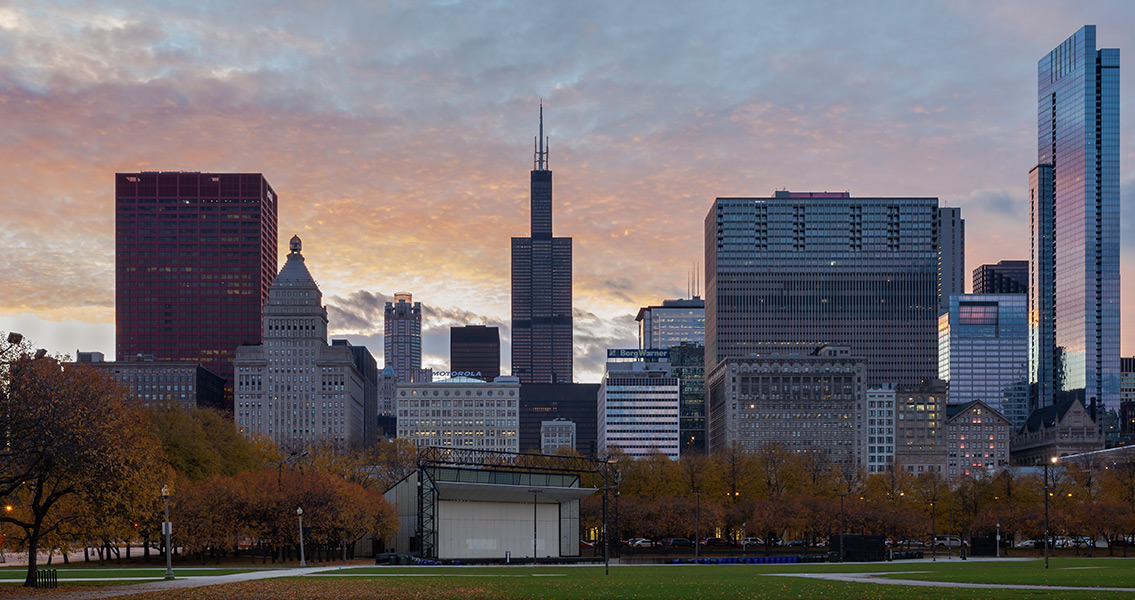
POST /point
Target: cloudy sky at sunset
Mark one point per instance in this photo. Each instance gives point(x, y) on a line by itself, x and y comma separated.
point(398, 136)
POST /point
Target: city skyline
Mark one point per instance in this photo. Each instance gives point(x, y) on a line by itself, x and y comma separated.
point(399, 141)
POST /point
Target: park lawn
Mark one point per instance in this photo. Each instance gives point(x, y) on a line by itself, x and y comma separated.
point(662, 582)
point(1077, 572)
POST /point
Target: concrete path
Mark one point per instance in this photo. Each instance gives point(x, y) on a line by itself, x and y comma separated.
point(876, 578)
point(192, 582)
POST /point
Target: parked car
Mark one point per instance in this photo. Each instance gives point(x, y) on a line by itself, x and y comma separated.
point(911, 544)
point(714, 542)
point(674, 542)
point(750, 541)
point(639, 543)
point(948, 541)
point(1031, 544)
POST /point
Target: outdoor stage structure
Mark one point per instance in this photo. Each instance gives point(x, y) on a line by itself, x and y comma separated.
point(492, 505)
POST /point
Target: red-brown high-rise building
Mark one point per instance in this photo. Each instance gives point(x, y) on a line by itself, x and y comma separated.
point(195, 254)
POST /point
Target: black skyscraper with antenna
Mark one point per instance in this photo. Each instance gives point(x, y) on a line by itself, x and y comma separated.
point(541, 286)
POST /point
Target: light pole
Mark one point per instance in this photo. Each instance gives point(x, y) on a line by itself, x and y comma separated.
point(299, 513)
point(933, 535)
point(167, 529)
point(697, 523)
point(280, 465)
point(998, 553)
point(1053, 461)
point(535, 523)
point(841, 495)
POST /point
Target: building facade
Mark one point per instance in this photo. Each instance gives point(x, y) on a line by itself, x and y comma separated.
point(194, 256)
point(542, 349)
point(1067, 427)
point(983, 352)
point(804, 269)
point(920, 426)
point(475, 349)
point(977, 439)
point(879, 447)
point(671, 324)
point(181, 384)
point(556, 434)
point(367, 366)
point(687, 363)
point(1005, 277)
point(575, 402)
point(461, 412)
point(294, 389)
point(952, 252)
point(1127, 396)
point(402, 337)
point(803, 402)
point(1074, 216)
point(638, 407)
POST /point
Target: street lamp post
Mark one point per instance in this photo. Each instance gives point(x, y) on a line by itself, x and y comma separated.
point(167, 529)
point(933, 535)
point(841, 495)
point(998, 554)
point(1053, 461)
point(299, 513)
point(697, 523)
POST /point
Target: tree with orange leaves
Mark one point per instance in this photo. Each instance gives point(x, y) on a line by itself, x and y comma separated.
point(68, 436)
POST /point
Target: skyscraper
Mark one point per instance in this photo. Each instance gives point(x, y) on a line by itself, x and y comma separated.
point(799, 270)
point(984, 352)
point(1005, 277)
point(541, 287)
point(952, 255)
point(475, 349)
point(294, 389)
point(195, 254)
point(402, 340)
point(674, 322)
point(1074, 213)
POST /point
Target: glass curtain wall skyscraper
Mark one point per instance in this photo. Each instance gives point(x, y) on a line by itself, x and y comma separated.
point(195, 256)
point(1074, 210)
point(983, 352)
point(804, 269)
point(541, 287)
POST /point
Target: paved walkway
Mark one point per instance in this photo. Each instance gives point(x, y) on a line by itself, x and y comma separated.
point(192, 582)
point(877, 578)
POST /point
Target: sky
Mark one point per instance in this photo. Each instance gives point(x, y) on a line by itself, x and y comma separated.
point(398, 136)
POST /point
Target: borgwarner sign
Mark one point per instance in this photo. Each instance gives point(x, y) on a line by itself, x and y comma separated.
point(636, 353)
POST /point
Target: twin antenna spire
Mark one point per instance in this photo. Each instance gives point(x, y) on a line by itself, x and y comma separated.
point(540, 145)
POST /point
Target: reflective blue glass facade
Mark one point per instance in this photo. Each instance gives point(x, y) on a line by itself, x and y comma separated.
point(983, 352)
point(1074, 196)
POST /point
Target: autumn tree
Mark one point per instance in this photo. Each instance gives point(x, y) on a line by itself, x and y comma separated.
point(68, 435)
point(201, 442)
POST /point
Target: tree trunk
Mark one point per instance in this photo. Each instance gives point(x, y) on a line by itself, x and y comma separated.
point(33, 549)
point(86, 552)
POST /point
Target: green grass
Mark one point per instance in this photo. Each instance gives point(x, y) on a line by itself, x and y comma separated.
point(1076, 572)
point(579, 583)
point(756, 582)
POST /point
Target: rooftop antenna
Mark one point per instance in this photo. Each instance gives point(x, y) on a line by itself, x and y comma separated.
point(540, 161)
